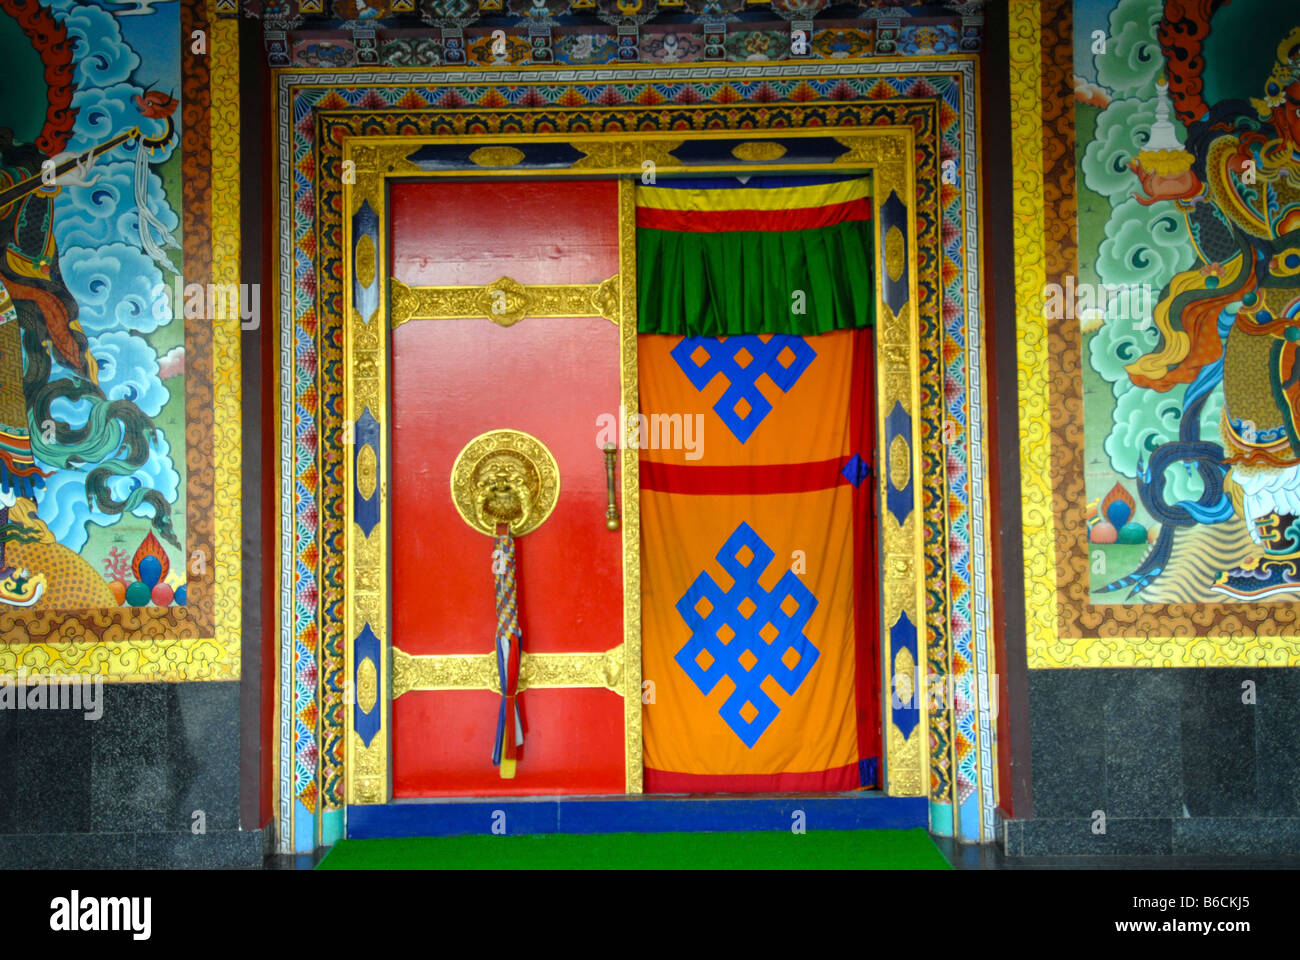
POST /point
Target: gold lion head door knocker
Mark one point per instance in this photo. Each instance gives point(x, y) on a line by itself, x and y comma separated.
point(505, 483)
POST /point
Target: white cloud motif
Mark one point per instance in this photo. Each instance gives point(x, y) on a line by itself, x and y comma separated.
point(102, 57)
point(128, 370)
point(98, 213)
point(117, 288)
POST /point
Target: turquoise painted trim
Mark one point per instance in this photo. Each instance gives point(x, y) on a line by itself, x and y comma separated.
point(304, 828)
point(941, 819)
point(331, 827)
point(968, 818)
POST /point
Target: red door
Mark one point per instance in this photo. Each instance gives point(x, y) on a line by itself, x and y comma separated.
point(453, 380)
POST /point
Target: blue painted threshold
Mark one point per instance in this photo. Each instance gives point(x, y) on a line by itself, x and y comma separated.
point(449, 817)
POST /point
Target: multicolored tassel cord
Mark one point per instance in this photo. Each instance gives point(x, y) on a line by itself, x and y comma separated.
point(509, 639)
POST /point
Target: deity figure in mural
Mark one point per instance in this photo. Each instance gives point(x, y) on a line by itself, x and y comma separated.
point(1233, 319)
point(45, 360)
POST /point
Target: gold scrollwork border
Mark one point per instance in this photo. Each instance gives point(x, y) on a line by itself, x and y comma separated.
point(885, 152)
point(902, 585)
point(1032, 361)
point(505, 301)
point(631, 526)
point(365, 393)
point(478, 671)
point(907, 758)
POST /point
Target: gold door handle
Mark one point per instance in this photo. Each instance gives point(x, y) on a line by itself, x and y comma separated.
point(505, 477)
point(611, 512)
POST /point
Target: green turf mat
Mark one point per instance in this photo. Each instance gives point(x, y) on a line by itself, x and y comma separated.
point(769, 850)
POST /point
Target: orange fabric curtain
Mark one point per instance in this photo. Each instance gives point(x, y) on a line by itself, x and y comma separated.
point(758, 577)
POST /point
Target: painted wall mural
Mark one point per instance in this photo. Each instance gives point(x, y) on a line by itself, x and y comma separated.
point(1188, 297)
point(1156, 169)
point(119, 393)
point(92, 358)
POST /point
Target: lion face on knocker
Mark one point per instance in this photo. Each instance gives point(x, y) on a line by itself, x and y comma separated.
point(501, 491)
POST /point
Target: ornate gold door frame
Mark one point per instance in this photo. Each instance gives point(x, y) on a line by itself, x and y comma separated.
point(376, 673)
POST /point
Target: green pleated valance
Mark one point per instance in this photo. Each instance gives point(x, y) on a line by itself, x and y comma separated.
point(803, 270)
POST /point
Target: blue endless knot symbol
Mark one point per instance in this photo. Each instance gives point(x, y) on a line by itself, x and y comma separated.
point(747, 657)
point(723, 358)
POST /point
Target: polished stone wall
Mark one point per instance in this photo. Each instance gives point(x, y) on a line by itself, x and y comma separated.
point(1173, 758)
point(122, 791)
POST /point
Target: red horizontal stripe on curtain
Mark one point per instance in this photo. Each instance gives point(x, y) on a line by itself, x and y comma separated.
point(742, 480)
point(834, 780)
point(718, 221)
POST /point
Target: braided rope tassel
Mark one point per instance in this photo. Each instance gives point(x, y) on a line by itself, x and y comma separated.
point(509, 639)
